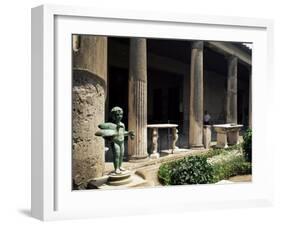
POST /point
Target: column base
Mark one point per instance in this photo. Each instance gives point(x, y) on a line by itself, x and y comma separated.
point(154, 156)
point(197, 147)
point(138, 158)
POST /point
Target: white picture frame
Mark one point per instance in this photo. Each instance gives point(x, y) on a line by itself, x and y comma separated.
point(52, 197)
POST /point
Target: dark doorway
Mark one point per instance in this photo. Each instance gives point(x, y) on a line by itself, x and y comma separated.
point(157, 106)
point(164, 97)
point(240, 105)
point(164, 93)
point(174, 104)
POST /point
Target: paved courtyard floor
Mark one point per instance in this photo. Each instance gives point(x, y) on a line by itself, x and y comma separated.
point(241, 178)
point(165, 156)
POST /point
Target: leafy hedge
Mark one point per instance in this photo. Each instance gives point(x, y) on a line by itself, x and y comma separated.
point(218, 151)
point(212, 152)
point(229, 165)
point(164, 173)
point(190, 170)
point(202, 170)
point(247, 145)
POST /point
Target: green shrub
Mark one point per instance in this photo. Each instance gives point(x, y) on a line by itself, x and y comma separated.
point(247, 145)
point(164, 173)
point(190, 170)
point(231, 165)
point(220, 151)
point(229, 148)
point(200, 170)
point(212, 152)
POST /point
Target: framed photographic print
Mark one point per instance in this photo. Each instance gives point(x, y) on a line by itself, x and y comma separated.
point(153, 112)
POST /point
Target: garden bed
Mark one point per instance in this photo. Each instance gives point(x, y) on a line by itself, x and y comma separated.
point(205, 168)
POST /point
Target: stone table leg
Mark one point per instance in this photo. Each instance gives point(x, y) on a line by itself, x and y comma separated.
point(175, 139)
point(207, 136)
point(233, 137)
point(155, 154)
point(221, 140)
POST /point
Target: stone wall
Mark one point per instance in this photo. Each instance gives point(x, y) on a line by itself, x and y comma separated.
point(214, 96)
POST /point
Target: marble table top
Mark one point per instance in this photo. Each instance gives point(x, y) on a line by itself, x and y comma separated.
point(164, 125)
point(228, 125)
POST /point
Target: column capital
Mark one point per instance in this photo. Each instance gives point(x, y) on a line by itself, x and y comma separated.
point(197, 45)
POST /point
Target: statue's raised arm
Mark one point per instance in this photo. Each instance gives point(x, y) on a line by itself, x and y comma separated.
point(107, 130)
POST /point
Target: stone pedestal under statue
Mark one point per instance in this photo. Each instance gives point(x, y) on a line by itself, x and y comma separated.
point(119, 179)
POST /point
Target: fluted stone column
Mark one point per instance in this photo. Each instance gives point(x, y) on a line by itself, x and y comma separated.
point(250, 100)
point(231, 94)
point(196, 96)
point(88, 106)
point(137, 148)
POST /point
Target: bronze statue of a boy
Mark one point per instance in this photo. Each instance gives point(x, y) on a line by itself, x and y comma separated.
point(115, 132)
